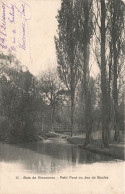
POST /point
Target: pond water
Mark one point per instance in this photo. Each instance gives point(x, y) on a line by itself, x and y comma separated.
point(50, 156)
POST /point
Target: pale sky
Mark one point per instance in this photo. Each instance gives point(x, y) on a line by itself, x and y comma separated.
point(40, 28)
point(43, 26)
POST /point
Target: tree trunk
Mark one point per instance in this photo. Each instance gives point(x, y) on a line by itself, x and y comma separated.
point(52, 118)
point(109, 88)
point(115, 98)
point(86, 78)
point(72, 87)
point(115, 88)
point(105, 120)
point(72, 111)
point(88, 120)
point(87, 94)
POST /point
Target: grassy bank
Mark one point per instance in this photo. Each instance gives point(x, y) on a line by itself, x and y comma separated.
point(116, 149)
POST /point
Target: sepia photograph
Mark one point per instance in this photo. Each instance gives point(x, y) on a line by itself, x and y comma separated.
point(62, 97)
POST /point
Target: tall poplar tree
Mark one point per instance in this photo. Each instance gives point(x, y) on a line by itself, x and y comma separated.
point(84, 26)
point(116, 28)
point(66, 47)
point(105, 111)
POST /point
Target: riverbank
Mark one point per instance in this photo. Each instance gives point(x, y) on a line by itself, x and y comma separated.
point(116, 150)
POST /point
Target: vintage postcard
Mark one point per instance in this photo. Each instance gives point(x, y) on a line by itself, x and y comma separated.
point(62, 97)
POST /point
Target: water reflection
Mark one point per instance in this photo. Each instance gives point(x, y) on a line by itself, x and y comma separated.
point(49, 156)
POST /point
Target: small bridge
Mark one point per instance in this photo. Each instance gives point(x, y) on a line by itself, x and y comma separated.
point(63, 131)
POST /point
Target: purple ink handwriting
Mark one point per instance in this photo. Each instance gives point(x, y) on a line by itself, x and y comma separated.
point(14, 24)
point(3, 41)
